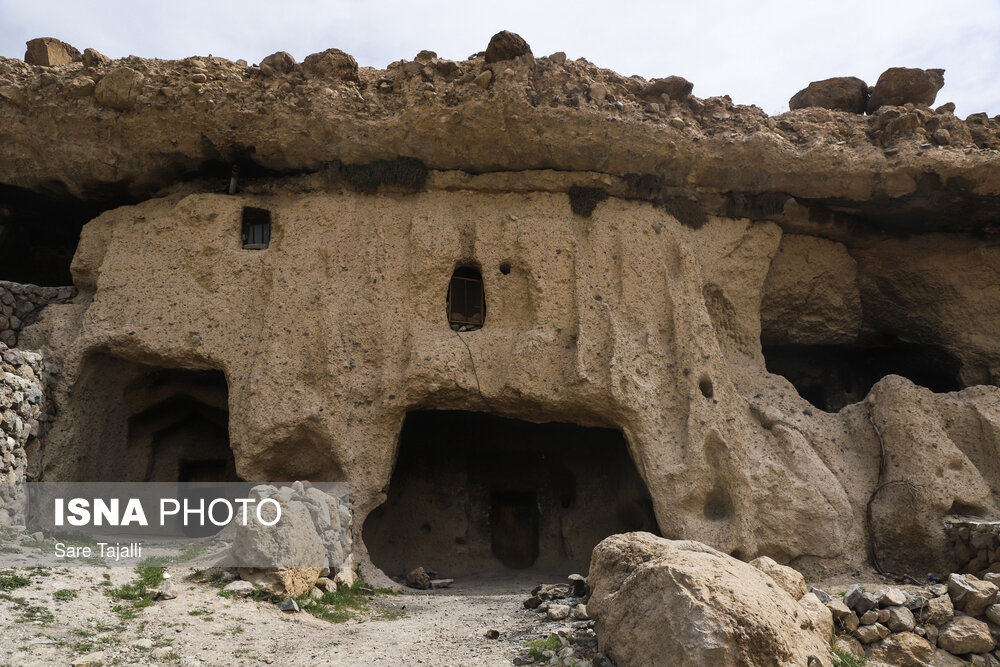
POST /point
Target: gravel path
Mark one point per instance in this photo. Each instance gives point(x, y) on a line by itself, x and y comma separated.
point(200, 627)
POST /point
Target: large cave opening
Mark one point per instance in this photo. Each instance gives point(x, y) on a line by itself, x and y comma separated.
point(477, 493)
point(833, 376)
point(39, 234)
point(147, 423)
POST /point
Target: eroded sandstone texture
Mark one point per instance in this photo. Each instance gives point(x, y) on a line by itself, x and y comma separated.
point(763, 307)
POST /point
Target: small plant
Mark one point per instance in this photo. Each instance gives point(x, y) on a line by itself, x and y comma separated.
point(29, 613)
point(136, 595)
point(537, 647)
point(64, 595)
point(844, 658)
point(10, 581)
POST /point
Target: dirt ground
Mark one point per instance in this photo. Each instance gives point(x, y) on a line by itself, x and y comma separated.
point(43, 625)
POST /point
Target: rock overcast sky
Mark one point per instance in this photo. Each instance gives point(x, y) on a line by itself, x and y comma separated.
point(758, 52)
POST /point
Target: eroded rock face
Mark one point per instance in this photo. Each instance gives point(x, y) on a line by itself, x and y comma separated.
point(636, 245)
point(661, 602)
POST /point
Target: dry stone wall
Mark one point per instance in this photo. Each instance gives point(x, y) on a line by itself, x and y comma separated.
point(20, 304)
point(22, 412)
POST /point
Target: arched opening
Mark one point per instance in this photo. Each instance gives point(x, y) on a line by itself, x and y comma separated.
point(139, 422)
point(466, 303)
point(477, 493)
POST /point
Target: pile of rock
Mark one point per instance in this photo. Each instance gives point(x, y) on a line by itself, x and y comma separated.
point(20, 304)
point(899, 105)
point(974, 543)
point(566, 604)
point(22, 409)
point(943, 624)
point(896, 86)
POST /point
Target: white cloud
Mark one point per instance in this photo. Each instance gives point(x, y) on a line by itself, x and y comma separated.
point(758, 52)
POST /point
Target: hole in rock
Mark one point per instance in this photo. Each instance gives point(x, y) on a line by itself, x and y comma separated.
point(705, 386)
point(145, 423)
point(505, 268)
point(503, 495)
point(832, 376)
point(718, 505)
point(466, 301)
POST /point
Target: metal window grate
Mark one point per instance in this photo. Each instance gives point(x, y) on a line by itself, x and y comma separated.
point(256, 228)
point(466, 300)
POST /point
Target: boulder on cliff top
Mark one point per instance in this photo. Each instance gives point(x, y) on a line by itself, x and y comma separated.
point(331, 64)
point(659, 602)
point(506, 45)
point(50, 51)
point(674, 87)
point(899, 85)
point(842, 93)
point(280, 62)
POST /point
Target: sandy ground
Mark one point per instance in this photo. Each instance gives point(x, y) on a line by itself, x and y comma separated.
point(446, 627)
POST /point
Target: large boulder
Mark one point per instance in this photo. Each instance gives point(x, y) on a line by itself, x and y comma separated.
point(119, 89)
point(970, 594)
point(790, 580)
point(965, 634)
point(899, 85)
point(904, 649)
point(506, 45)
point(842, 93)
point(49, 51)
point(331, 64)
point(665, 602)
point(674, 87)
point(280, 62)
point(287, 558)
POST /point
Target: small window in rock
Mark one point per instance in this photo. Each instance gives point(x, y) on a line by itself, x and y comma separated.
point(256, 228)
point(466, 300)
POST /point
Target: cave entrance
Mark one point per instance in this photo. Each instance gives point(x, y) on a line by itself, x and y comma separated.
point(833, 376)
point(146, 423)
point(476, 493)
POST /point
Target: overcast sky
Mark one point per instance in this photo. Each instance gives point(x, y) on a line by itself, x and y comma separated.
point(758, 51)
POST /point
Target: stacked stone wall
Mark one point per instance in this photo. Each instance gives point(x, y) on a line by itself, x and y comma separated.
point(20, 305)
point(22, 417)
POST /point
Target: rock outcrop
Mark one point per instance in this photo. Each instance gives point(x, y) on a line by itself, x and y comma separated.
point(785, 320)
point(661, 602)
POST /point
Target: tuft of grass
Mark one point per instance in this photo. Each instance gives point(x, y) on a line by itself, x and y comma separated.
point(135, 596)
point(64, 594)
point(10, 581)
point(27, 612)
point(844, 658)
point(537, 647)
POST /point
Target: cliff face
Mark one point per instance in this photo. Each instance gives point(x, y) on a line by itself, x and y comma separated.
point(646, 258)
